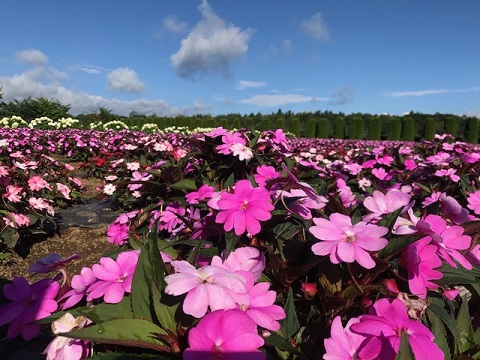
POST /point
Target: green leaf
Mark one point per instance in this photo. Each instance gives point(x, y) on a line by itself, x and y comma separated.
point(126, 332)
point(230, 242)
point(165, 307)
point(184, 184)
point(290, 324)
point(281, 343)
point(396, 244)
point(458, 275)
point(438, 329)
point(106, 312)
point(464, 338)
point(142, 279)
point(437, 308)
point(389, 220)
point(405, 351)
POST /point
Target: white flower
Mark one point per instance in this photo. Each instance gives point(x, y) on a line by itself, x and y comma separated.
point(109, 189)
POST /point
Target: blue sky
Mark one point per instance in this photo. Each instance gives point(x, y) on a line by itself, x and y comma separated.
point(221, 57)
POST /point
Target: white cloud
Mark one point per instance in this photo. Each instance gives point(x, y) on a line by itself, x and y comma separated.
point(43, 82)
point(172, 24)
point(90, 69)
point(315, 27)
point(124, 79)
point(280, 99)
point(244, 84)
point(35, 57)
point(287, 46)
point(432, 92)
point(212, 46)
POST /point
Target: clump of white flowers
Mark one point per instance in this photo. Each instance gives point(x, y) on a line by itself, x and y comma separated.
point(115, 125)
point(13, 122)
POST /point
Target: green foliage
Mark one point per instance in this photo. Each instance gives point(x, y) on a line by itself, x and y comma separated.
point(394, 128)
point(408, 129)
point(357, 128)
point(294, 127)
point(472, 130)
point(374, 128)
point(310, 129)
point(451, 126)
point(323, 128)
point(339, 132)
point(32, 108)
point(430, 129)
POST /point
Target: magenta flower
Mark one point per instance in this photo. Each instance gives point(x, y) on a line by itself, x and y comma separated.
point(387, 320)
point(208, 287)
point(117, 233)
point(244, 209)
point(204, 192)
point(450, 173)
point(28, 304)
point(228, 335)
point(420, 259)
point(474, 202)
point(448, 239)
point(230, 142)
point(247, 258)
point(304, 203)
point(381, 204)
point(265, 173)
point(114, 277)
point(347, 242)
point(344, 344)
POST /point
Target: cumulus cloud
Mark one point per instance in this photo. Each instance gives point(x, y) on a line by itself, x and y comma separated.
point(124, 79)
point(172, 24)
point(35, 57)
point(43, 82)
point(432, 92)
point(315, 27)
point(280, 99)
point(245, 84)
point(343, 96)
point(212, 46)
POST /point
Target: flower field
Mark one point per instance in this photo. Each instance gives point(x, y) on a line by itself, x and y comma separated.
point(247, 245)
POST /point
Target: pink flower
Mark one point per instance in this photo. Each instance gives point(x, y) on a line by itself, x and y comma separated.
point(67, 348)
point(208, 287)
point(381, 204)
point(117, 233)
point(304, 204)
point(229, 334)
point(36, 183)
point(450, 173)
point(265, 173)
point(387, 320)
point(114, 277)
point(344, 344)
point(420, 259)
point(18, 220)
point(345, 193)
point(204, 192)
point(28, 303)
point(347, 242)
point(381, 174)
point(247, 258)
point(245, 208)
point(64, 190)
point(474, 202)
point(13, 193)
point(448, 239)
point(80, 284)
point(170, 218)
point(229, 142)
point(260, 307)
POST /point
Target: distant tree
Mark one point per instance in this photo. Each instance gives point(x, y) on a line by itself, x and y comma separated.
point(32, 108)
point(311, 128)
point(323, 128)
point(294, 127)
point(408, 129)
point(430, 128)
point(339, 132)
point(451, 125)
point(105, 114)
point(374, 128)
point(357, 128)
point(472, 130)
point(394, 129)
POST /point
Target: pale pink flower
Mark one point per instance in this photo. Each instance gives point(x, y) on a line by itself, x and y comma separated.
point(242, 151)
point(13, 193)
point(137, 177)
point(37, 183)
point(304, 204)
point(4, 171)
point(41, 204)
point(474, 202)
point(421, 260)
point(346, 242)
point(133, 166)
point(381, 174)
point(345, 193)
point(343, 344)
point(28, 304)
point(387, 320)
point(228, 335)
point(244, 208)
point(109, 189)
point(64, 190)
point(450, 173)
point(229, 141)
point(18, 220)
point(64, 348)
point(114, 277)
point(381, 204)
point(246, 258)
point(208, 287)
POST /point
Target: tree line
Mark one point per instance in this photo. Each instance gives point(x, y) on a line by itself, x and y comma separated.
point(413, 126)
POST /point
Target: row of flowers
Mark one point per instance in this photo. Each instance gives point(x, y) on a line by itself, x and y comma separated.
point(260, 246)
